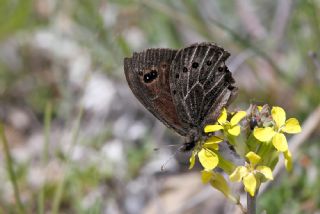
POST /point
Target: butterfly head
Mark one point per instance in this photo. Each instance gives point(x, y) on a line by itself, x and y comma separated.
point(194, 136)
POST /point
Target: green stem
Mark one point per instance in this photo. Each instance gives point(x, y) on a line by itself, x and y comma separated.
point(61, 185)
point(58, 196)
point(41, 201)
point(45, 157)
point(252, 203)
point(11, 172)
point(47, 127)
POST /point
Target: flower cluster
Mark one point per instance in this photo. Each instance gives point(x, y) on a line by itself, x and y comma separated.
point(275, 133)
point(258, 137)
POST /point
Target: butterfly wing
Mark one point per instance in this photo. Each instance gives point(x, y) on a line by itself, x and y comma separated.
point(201, 84)
point(147, 74)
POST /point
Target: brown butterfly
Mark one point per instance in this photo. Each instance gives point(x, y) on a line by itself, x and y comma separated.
point(185, 89)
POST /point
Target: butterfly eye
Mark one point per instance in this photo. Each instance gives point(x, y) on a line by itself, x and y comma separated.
point(253, 123)
point(230, 87)
point(209, 63)
point(177, 76)
point(185, 69)
point(195, 65)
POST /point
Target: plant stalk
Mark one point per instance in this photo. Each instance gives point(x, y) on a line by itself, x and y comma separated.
point(252, 203)
point(10, 169)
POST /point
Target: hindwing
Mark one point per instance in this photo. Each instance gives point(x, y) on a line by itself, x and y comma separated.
point(200, 84)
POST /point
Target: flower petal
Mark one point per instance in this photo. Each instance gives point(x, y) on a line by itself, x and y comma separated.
point(212, 143)
point(208, 159)
point(192, 160)
point(292, 126)
point(212, 128)
point(266, 171)
point(220, 184)
point(279, 141)
point(278, 115)
point(253, 158)
point(212, 146)
point(263, 134)
point(223, 116)
point(206, 176)
point(288, 160)
point(250, 183)
point(237, 117)
point(238, 174)
point(234, 131)
point(213, 140)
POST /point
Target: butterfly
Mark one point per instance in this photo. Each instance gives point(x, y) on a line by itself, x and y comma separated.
point(185, 89)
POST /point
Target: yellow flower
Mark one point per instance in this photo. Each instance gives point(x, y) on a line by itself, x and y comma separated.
point(206, 154)
point(230, 127)
point(275, 134)
point(248, 174)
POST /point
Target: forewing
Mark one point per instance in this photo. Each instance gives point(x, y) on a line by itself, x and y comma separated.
point(147, 74)
point(201, 84)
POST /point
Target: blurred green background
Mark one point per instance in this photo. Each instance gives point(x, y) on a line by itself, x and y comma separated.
point(80, 142)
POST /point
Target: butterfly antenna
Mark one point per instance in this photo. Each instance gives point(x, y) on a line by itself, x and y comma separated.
point(169, 159)
point(171, 145)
